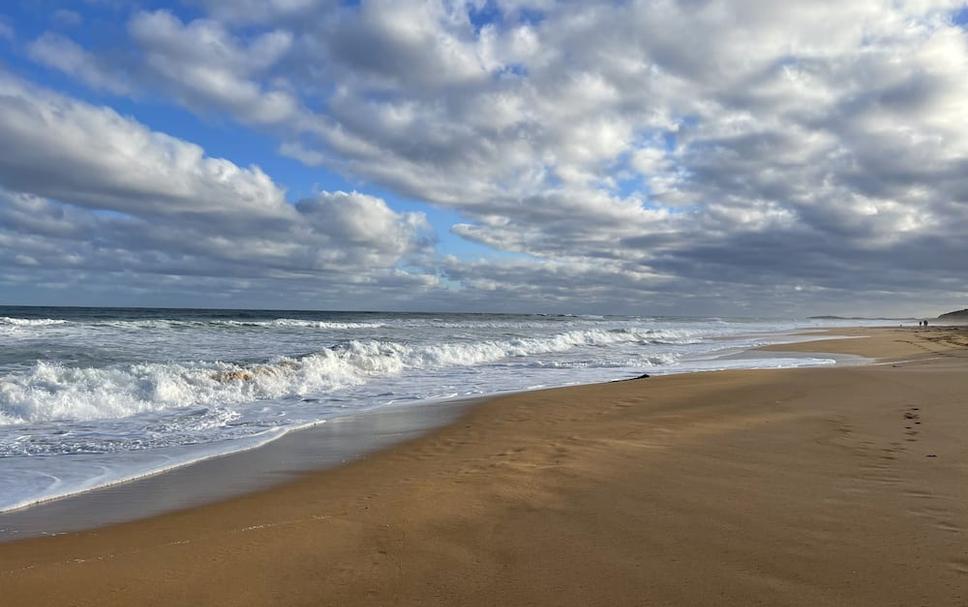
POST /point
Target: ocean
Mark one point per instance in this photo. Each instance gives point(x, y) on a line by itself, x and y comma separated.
point(95, 396)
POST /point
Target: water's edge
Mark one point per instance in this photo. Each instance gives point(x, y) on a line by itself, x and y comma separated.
point(262, 466)
point(327, 445)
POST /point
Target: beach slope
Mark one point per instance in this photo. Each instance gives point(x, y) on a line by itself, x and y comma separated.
point(833, 486)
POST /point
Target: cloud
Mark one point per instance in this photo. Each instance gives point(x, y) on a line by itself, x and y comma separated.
point(92, 191)
point(204, 66)
point(261, 11)
point(6, 32)
point(364, 227)
point(393, 45)
point(61, 53)
point(67, 18)
point(648, 149)
point(92, 156)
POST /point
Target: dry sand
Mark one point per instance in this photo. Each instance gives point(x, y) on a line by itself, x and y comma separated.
point(843, 486)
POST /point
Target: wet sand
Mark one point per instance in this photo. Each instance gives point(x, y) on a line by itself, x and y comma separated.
point(833, 486)
point(337, 441)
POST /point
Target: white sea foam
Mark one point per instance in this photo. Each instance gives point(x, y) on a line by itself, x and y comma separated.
point(51, 391)
point(294, 323)
point(297, 324)
point(96, 399)
point(30, 322)
point(22, 487)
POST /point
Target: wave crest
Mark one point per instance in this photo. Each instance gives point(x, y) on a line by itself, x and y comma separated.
point(51, 391)
point(30, 322)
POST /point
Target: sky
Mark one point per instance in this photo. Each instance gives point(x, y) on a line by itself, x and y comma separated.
point(683, 157)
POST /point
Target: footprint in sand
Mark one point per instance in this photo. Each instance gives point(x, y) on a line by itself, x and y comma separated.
point(913, 418)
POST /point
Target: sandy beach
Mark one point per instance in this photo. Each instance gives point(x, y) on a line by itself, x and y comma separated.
point(818, 486)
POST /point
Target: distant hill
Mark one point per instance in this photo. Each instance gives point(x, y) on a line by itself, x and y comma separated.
point(956, 315)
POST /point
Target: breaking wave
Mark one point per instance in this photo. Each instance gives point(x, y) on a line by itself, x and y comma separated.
point(29, 322)
point(517, 325)
point(251, 324)
point(50, 391)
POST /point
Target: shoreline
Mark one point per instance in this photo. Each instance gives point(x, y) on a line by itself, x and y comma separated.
point(319, 447)
point(760, 481)
point(98, 505)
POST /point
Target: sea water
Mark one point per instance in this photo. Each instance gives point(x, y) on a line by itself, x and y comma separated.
point(95, 396)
